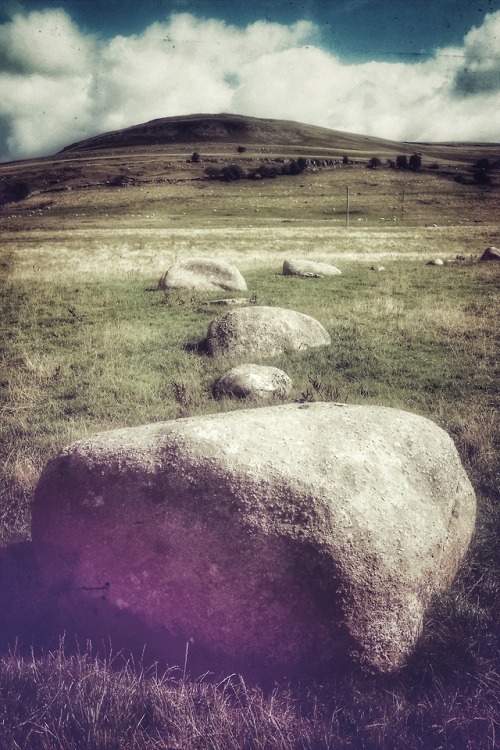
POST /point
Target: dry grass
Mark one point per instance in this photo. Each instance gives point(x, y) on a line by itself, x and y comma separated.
point(80, 254)
point(62, 701)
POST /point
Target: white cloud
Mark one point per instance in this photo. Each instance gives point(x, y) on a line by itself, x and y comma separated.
point(45, 42)
point(481, 71)
point(60, 85)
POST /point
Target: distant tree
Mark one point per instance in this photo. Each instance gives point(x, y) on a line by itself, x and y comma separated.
point(402, 162)
point(345, 160)
point(481, 177)
point(482, 168)
point(195, 157)
point(212, 173)
point(232, 172)
point(374, 162)
point(241, 149)
point(294, 166)
point(264, 172)
point(12, 191)
point(483, 165)
point(415, 162)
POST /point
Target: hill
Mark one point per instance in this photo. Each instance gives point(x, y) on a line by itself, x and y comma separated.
point(227, 128)
point(161, 151)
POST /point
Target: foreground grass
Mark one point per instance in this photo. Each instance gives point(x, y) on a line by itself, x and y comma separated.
point(79, 701)
point(85, 354)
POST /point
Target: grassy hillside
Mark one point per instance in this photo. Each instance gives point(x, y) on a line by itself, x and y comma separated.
point(159, 152)
point(224, 128)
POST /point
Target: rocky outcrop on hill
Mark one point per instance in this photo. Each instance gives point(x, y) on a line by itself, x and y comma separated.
point(285, 539)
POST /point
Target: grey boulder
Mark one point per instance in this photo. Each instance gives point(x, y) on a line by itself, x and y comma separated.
point(254, 381)
point(265, 331)
point(285, 539)
point(309, 269)
point(203, 274)
point(435, 262)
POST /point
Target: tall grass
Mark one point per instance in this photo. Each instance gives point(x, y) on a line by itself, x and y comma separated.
point(79, 701)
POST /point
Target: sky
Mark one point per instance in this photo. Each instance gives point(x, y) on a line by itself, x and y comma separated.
point(427, 70)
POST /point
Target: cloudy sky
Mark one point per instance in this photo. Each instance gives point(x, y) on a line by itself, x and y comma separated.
point(421, 70)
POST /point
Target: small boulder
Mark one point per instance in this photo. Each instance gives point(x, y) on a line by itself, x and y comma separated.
point(204, 275)
point(435, 262)
point(309, 269)
point(254, 381)
point(377, 268)
point(286, 539)
point(265, 331)
point(491, 253)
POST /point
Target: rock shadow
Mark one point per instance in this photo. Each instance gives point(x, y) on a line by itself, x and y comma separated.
point(35, 619)
point(197, 347)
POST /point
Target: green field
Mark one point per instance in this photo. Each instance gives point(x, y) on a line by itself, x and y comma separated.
point(90, 342)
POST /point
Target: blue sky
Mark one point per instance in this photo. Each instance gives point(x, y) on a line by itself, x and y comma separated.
point(358, 30)
point(421, 70)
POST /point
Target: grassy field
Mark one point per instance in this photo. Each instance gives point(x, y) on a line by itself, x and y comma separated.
point(89, 342)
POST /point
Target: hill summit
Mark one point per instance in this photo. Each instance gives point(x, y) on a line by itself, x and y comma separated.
point(223, 128)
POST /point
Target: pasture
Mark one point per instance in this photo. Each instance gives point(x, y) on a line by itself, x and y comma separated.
point(89, 342)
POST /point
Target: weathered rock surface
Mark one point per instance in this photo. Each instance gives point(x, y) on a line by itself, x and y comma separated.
point(265, 331)
point(254, 381)
point(286, 538)
point(491, 253)
point(203, 274)
point(435, 262)
point(309, 268)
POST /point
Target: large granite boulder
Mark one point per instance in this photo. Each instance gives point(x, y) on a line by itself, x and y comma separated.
point(309, 269)
point(284, 539)
point(254, 381)
point(204, 275)
point(265, 331)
